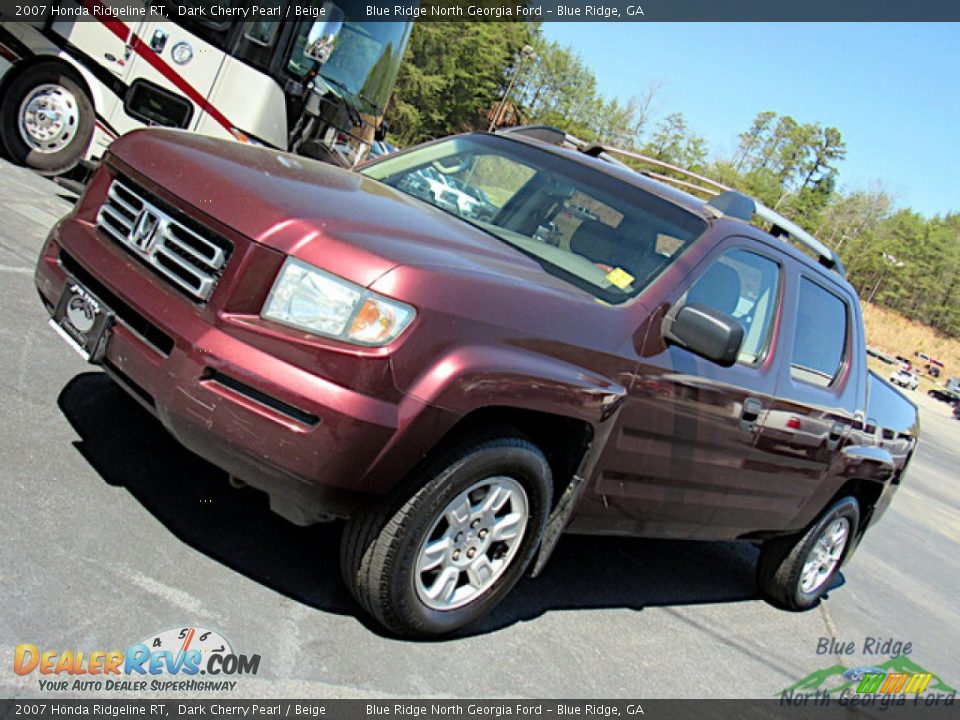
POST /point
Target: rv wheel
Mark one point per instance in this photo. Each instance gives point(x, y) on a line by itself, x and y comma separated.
point(46, 120)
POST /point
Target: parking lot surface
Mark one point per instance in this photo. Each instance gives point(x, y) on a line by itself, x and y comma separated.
point(112, 532)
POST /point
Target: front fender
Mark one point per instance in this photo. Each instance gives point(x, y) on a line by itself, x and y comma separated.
point(476, 377)
point(472, 377)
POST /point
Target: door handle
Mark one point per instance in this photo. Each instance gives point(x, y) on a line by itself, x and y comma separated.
point(750, 414)
point(159, 40)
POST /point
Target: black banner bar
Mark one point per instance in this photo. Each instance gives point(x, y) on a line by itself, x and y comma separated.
point(501, 10)
point(801, 707)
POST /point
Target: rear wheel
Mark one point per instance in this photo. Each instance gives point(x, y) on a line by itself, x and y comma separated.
point(794, 571)
point(454, 542)
point(46, 119)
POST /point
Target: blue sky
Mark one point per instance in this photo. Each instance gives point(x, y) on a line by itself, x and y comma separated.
point(893, 90)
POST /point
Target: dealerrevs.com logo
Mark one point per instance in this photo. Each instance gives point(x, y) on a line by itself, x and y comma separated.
point(171, 660)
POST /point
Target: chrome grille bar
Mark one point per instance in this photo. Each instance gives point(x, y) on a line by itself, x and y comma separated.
point(185, 258)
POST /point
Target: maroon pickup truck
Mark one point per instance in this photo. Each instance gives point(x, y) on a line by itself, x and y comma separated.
point(468, 348)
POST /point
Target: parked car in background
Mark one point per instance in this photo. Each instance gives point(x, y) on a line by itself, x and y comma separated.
point(905, 379)
point(418, 185)
point(944, 395)
point(429, 184)
point(479, 206)
point(933, 366)
point(450, 193)
point(465, 202)
point(462, 392)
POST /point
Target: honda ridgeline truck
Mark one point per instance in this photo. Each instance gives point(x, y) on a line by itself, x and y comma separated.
point(595, 352)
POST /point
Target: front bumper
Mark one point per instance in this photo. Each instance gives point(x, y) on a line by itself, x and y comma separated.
point(306, 441)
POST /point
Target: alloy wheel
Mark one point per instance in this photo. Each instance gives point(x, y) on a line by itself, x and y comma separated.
point(825, 555)
point(471, 543)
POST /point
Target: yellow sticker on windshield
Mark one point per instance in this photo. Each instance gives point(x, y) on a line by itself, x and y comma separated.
point(620, 277)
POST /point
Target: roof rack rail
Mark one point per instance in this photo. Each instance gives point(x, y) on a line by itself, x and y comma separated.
point(543, 133)
point(736, 204)
point(723, 199)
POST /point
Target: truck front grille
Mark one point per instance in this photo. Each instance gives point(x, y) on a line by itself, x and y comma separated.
point(190, 259)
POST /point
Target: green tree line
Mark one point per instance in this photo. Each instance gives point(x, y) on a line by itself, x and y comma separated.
point(456, 73)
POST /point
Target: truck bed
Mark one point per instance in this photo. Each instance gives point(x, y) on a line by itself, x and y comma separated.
point(889, 409)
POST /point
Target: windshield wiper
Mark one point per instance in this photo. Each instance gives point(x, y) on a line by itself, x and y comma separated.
point(348, 99)
point(345, 89)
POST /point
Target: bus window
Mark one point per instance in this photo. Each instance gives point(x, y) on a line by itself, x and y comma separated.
point(364, 63)
point(256, 43)
point(214, 31)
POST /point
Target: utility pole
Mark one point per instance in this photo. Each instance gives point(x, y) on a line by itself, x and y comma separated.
point(527, 53)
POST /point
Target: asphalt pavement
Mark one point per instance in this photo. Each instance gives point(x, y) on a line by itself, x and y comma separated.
point(111, 532)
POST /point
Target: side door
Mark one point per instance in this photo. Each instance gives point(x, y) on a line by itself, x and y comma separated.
point(171, 71)
point(815, 408)
point(684, 436)
point(247, 90)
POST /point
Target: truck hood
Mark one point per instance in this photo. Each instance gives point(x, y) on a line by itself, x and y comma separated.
point(337, 219)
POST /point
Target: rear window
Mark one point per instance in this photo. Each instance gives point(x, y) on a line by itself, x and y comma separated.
point(821, 335)
point(600, 234)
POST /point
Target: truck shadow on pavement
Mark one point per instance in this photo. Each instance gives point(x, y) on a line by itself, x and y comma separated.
point(193, 500)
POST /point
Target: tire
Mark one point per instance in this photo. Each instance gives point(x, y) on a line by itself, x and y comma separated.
point(780, 569)
point(58, 141)
point(382, 549)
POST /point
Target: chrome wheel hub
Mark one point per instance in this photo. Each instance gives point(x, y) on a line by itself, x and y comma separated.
point(48, 118)
point(471, 543)
point(824, 555)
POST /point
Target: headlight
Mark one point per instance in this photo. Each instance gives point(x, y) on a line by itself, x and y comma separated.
point(311, 299)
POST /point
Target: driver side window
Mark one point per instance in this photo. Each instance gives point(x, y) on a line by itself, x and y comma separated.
point(745, 286)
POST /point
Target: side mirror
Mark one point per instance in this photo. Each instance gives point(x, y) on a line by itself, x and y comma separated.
point(323, 33)
point(706, 332)
point(381, 131)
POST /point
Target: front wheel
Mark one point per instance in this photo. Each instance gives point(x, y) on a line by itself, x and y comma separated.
point(794, 571)
point(46, 119)
point(454, 541)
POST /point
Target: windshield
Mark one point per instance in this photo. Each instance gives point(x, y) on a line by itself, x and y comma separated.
point(365, 59)
point(595, 231)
